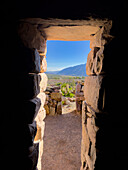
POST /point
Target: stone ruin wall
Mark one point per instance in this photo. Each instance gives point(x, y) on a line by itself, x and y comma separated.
point(94, 112)
point(93, 99)
point(53, 103)
point(79, 97)
point(94, 107)
point(33, 84)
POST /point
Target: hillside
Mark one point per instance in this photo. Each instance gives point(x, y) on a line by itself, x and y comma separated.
point(78, 70)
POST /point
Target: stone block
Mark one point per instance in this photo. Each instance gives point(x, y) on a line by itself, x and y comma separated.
point(43, 64)
point(90, 61)
point(40, 117)
point(79, 94)
point(85, 143)
point(43, 82)
point(78, 87)
point(29, 60)
point(29, 134)
point(32, 158)
point(99, 62)
point(42, 97)
point(94, 92)
point(89, 132)
point(59, 108)
point(39, 165)
point(78, 107)
point(52, 111)
point(28, 86)
point(92, 129)
point(46, 107)
point(80, 98)
point(56, 96)
point(29, 109)
point(40, 132)
point(102, 37)
point(31, 37)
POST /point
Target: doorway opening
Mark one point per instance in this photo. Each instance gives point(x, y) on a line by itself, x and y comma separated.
point(98, 32)
point(66, 71)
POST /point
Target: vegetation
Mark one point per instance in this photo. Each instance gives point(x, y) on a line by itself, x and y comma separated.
point(67, 83)
point(67, 91)
point(55, 76)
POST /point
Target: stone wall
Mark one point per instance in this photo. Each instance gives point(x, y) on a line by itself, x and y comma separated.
point(33, 83)
point(53, 104)
point(95, 111)
point(79, 96)
point(19, 100)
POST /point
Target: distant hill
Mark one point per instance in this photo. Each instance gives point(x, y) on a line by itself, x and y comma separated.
point(52, 72)
point(78, 70)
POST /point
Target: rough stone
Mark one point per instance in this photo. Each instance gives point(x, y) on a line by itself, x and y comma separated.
point(29, 109)
point(79, 106)
point(95, 62)
point(56, 96)
point(52, 111)
point(78, 87)
point(28, 85)
point(65, 100)
point(94, 92)
point(90, 61)
point(32, 158)
point(102, 37)
point(59, 108)
point(43, 82)
point(43, 64)
point(29, 133)
point(31, 37)
point(98, 61)
point(40, 132)
point(29, 60)
point(91, 130)
point(40, 117)
point(47, 109)
point(84, 145)
point(41, 148)
point(42, 97)
point(80, 98)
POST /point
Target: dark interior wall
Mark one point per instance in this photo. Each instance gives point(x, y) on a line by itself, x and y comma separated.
point(61, 9)
point(11, 12)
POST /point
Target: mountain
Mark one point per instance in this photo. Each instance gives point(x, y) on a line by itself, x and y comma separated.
point(78, 70)
point(52, 72)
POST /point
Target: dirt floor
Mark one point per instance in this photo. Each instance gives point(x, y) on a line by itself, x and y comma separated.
point(62, 142)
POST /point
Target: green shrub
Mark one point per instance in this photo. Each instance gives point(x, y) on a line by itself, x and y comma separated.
point(67, 90)
point(57, 84)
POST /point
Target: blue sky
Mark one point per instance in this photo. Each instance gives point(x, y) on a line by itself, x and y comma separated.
point(62, 54)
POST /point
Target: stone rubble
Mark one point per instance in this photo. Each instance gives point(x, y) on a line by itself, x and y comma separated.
point(53, 104)
point(79, 95)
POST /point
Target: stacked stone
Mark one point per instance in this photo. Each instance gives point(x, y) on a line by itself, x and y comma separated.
point(53, 104)
point(94, 113)
point(79, 97)
point(32, 83)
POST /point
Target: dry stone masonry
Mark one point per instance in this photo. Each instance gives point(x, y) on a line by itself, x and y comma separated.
point(53, 104)
point(79, 95)
point(23, 57)
point(32, 83)
point(94, 110)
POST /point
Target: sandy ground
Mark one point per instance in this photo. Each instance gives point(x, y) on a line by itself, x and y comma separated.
point(62, 142)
